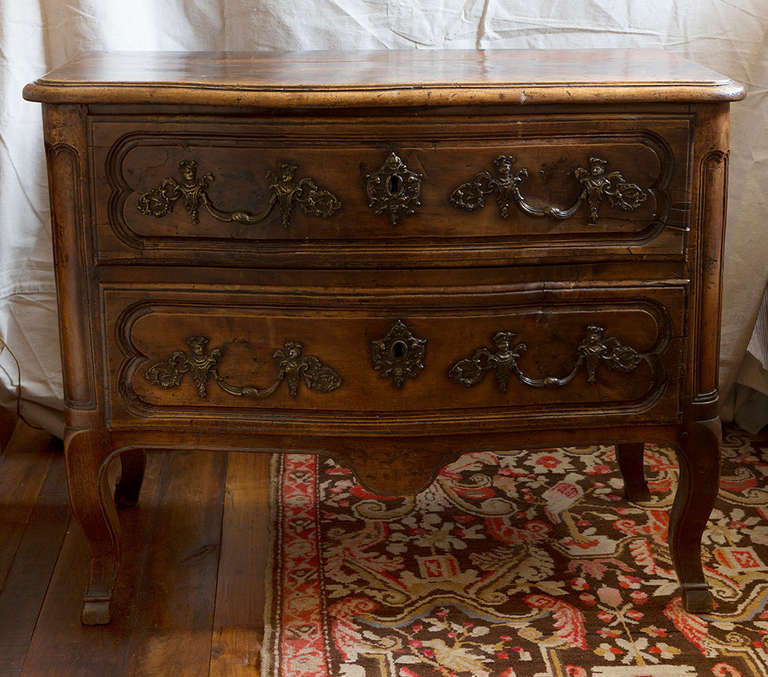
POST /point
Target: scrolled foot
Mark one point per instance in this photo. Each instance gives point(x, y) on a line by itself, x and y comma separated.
point(699, 458)
point(85, 452)
point(95, 612)
point(697, 599)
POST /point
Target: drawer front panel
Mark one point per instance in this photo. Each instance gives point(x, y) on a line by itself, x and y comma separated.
point(325, 193)
point(399, 362)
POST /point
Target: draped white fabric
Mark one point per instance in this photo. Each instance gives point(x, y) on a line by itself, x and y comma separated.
point(38, 35)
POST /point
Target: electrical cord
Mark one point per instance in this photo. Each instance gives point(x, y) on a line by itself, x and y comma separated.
point(5, 347)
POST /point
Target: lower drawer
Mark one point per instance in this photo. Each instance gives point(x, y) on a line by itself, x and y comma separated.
point(393, 361)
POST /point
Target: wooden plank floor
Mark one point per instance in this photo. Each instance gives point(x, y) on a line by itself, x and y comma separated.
point(190, 596)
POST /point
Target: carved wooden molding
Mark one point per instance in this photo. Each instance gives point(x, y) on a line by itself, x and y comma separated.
point(293, 367)
point(156, 242)
point(713, 191)
point(141, 318)
point(65, 174)
point(594, 350)
point(505, 181)
point(285, 192)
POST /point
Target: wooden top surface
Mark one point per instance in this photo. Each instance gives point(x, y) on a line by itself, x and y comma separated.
point(383, 78)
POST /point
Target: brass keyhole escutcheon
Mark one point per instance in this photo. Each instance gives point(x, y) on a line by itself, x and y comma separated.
point(399, 355)
point(393, 189)
point(398, 350)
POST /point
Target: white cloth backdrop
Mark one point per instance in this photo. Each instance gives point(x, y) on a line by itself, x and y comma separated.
point(38, 35)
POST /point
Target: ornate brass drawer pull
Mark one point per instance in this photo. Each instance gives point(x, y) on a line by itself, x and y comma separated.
point(591, 352)
point(399, 355)
point(285, 191)
point(394, 189)
point(505, 182)
point(292, 366)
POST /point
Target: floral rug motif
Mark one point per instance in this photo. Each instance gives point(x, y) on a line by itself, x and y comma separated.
point(527, 564)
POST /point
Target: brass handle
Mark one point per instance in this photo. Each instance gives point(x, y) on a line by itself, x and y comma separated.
point(285, 191)
point(505, 181)
point(293, 367)
point(594, 350)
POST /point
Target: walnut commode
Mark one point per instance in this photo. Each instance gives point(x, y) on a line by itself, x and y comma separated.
point(389, 257)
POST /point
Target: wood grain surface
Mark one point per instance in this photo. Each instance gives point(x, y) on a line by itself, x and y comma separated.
point(193, 597)
point(133, 157)
point(383, 78)
point(185, 267)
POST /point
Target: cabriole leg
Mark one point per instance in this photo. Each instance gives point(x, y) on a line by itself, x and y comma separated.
point(85, 452)
point(630, 458)
point(132, 464)
point(699, 457)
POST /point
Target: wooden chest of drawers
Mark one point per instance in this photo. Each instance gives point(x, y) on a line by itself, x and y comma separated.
point(390, 257)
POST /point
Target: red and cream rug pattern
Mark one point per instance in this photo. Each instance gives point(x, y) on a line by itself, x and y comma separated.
point(527, 564)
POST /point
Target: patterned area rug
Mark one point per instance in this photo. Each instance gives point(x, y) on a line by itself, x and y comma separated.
point(523, 564)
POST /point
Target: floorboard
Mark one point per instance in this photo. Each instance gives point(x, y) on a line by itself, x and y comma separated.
point(239, 617)
point(162, 612)
point(173, 602)
point(23, 469)
point(27, 580)
point(60, 644)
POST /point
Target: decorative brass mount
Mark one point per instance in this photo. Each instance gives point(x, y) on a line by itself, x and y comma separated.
point(592, 351)
point(284, 191)
point(394, 189)
point(505, 181)
point(292, 366)
point(399, 355)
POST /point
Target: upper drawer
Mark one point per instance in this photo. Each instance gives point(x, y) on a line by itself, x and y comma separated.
point(357, 192)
